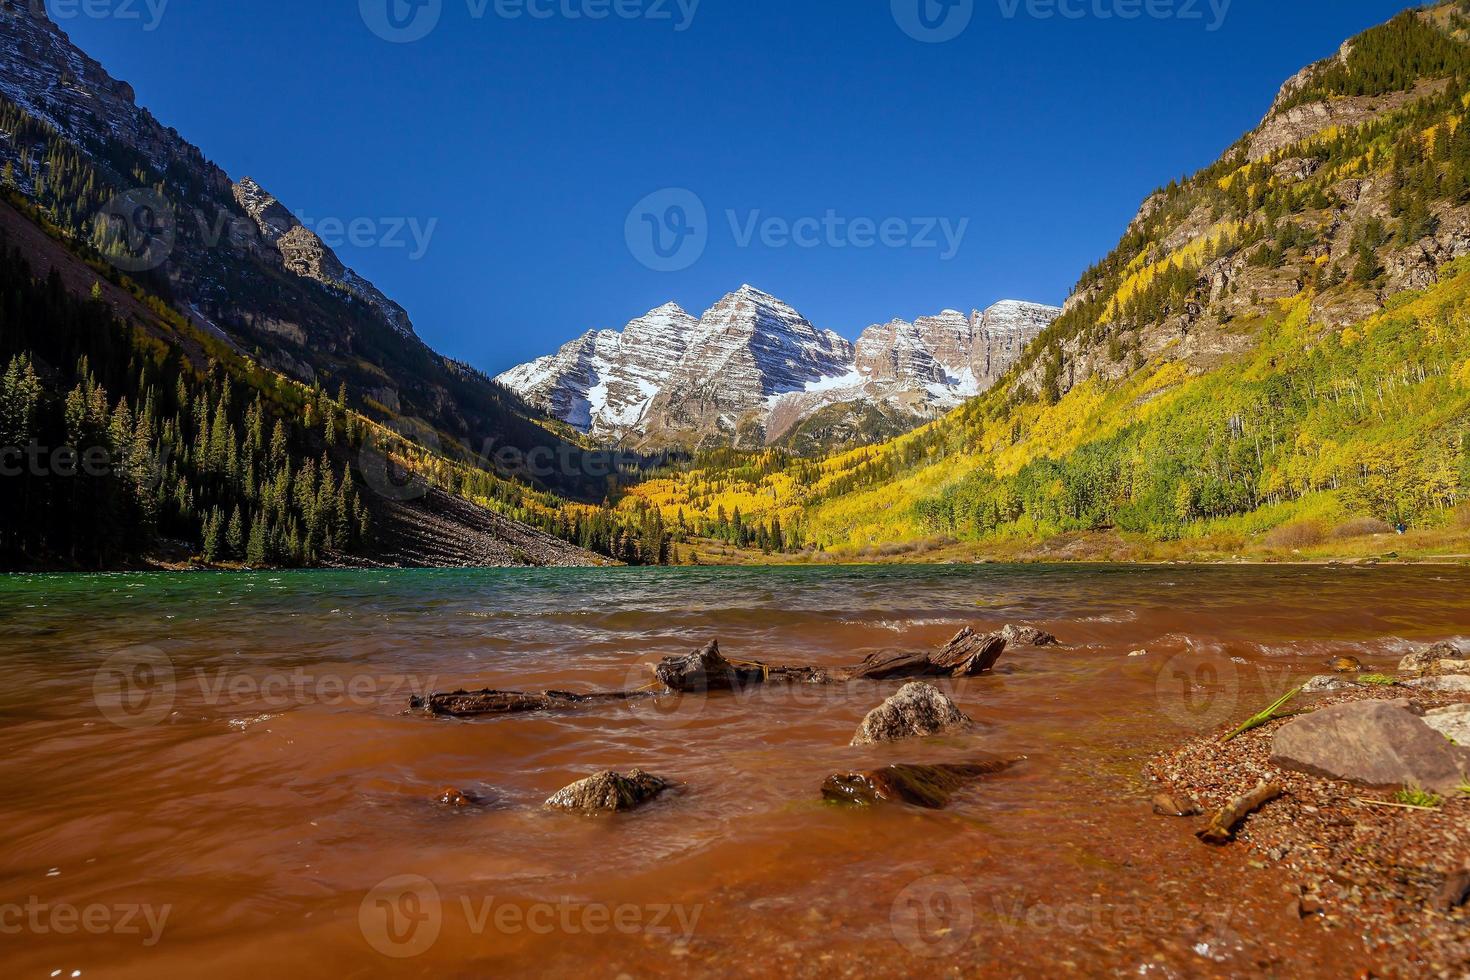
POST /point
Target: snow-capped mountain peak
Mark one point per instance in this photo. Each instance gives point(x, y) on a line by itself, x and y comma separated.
point(751, 368)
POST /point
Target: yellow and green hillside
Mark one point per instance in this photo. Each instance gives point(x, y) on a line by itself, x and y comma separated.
point(1275, 356)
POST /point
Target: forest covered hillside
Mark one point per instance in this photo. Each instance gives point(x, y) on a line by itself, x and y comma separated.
point(1276, 356)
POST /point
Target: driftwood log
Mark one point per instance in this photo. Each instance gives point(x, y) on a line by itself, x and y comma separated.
point(473, 704)
point(706, 669)
point(1221, 829)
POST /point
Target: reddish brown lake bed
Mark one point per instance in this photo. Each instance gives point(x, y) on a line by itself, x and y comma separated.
point(214, 774)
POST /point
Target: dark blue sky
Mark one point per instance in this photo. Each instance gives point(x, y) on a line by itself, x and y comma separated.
point(524, 143)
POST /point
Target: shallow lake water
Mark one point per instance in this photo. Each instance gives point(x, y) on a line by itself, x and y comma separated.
point(214, 774)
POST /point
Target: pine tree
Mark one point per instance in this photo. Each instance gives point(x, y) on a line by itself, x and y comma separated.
point(255, 550)
point(212, 536)
point(235, 535)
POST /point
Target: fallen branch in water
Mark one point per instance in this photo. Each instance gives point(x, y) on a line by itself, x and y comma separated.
point(1222, 827)
point(1256, 721)
point(474, 704)
point(706, 670)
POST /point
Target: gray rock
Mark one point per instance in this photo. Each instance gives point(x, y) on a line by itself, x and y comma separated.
point(1375, 743)
point(916, 711)
point(1452, 722)
point(608, 792)
point(1445, 683)
point(1324, 683)
point(1027, 636)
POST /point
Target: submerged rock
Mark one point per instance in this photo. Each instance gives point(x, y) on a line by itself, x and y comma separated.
point(1166, 805)
point(1374, 743)
point(608, 792)
point(918, 710)
point(1452, 722)
point(1346, 665)
point(474, 704)
point(457, 799)
point(924, 786)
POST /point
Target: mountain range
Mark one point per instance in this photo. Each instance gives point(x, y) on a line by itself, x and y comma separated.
point(752, 371)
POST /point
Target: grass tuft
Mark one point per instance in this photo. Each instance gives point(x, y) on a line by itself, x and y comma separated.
point(1418, 796)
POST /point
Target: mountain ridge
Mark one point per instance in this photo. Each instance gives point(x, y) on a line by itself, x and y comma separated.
point(751, 369)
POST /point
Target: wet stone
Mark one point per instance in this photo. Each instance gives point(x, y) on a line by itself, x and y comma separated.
point(930, 787)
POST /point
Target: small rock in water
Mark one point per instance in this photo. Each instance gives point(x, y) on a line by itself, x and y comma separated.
point(1374, 743)
point(457, 798)
point(1346, 665)
point(1027, 636)
point(925, 786)
point(1452, 722)
point(1167, 806)
point(1139, 653)
point(608, 792)
point(705, 670)
point(917, 710)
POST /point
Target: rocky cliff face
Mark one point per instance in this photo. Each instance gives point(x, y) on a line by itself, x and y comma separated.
point(305, 254)
point(1289, 210)
point(753, 371)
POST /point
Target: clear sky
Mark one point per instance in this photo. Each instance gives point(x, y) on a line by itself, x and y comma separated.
point(842, 163)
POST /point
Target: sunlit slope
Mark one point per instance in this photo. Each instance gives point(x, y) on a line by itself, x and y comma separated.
point(1278, 337)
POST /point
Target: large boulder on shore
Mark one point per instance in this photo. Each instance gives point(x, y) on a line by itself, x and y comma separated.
point(1374, 743)
point(608, 792)
point(916, 711)
point(705, 670)
point(924, 786)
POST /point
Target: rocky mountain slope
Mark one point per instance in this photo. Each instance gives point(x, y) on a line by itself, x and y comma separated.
point(233, 258)
point(752, 371)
